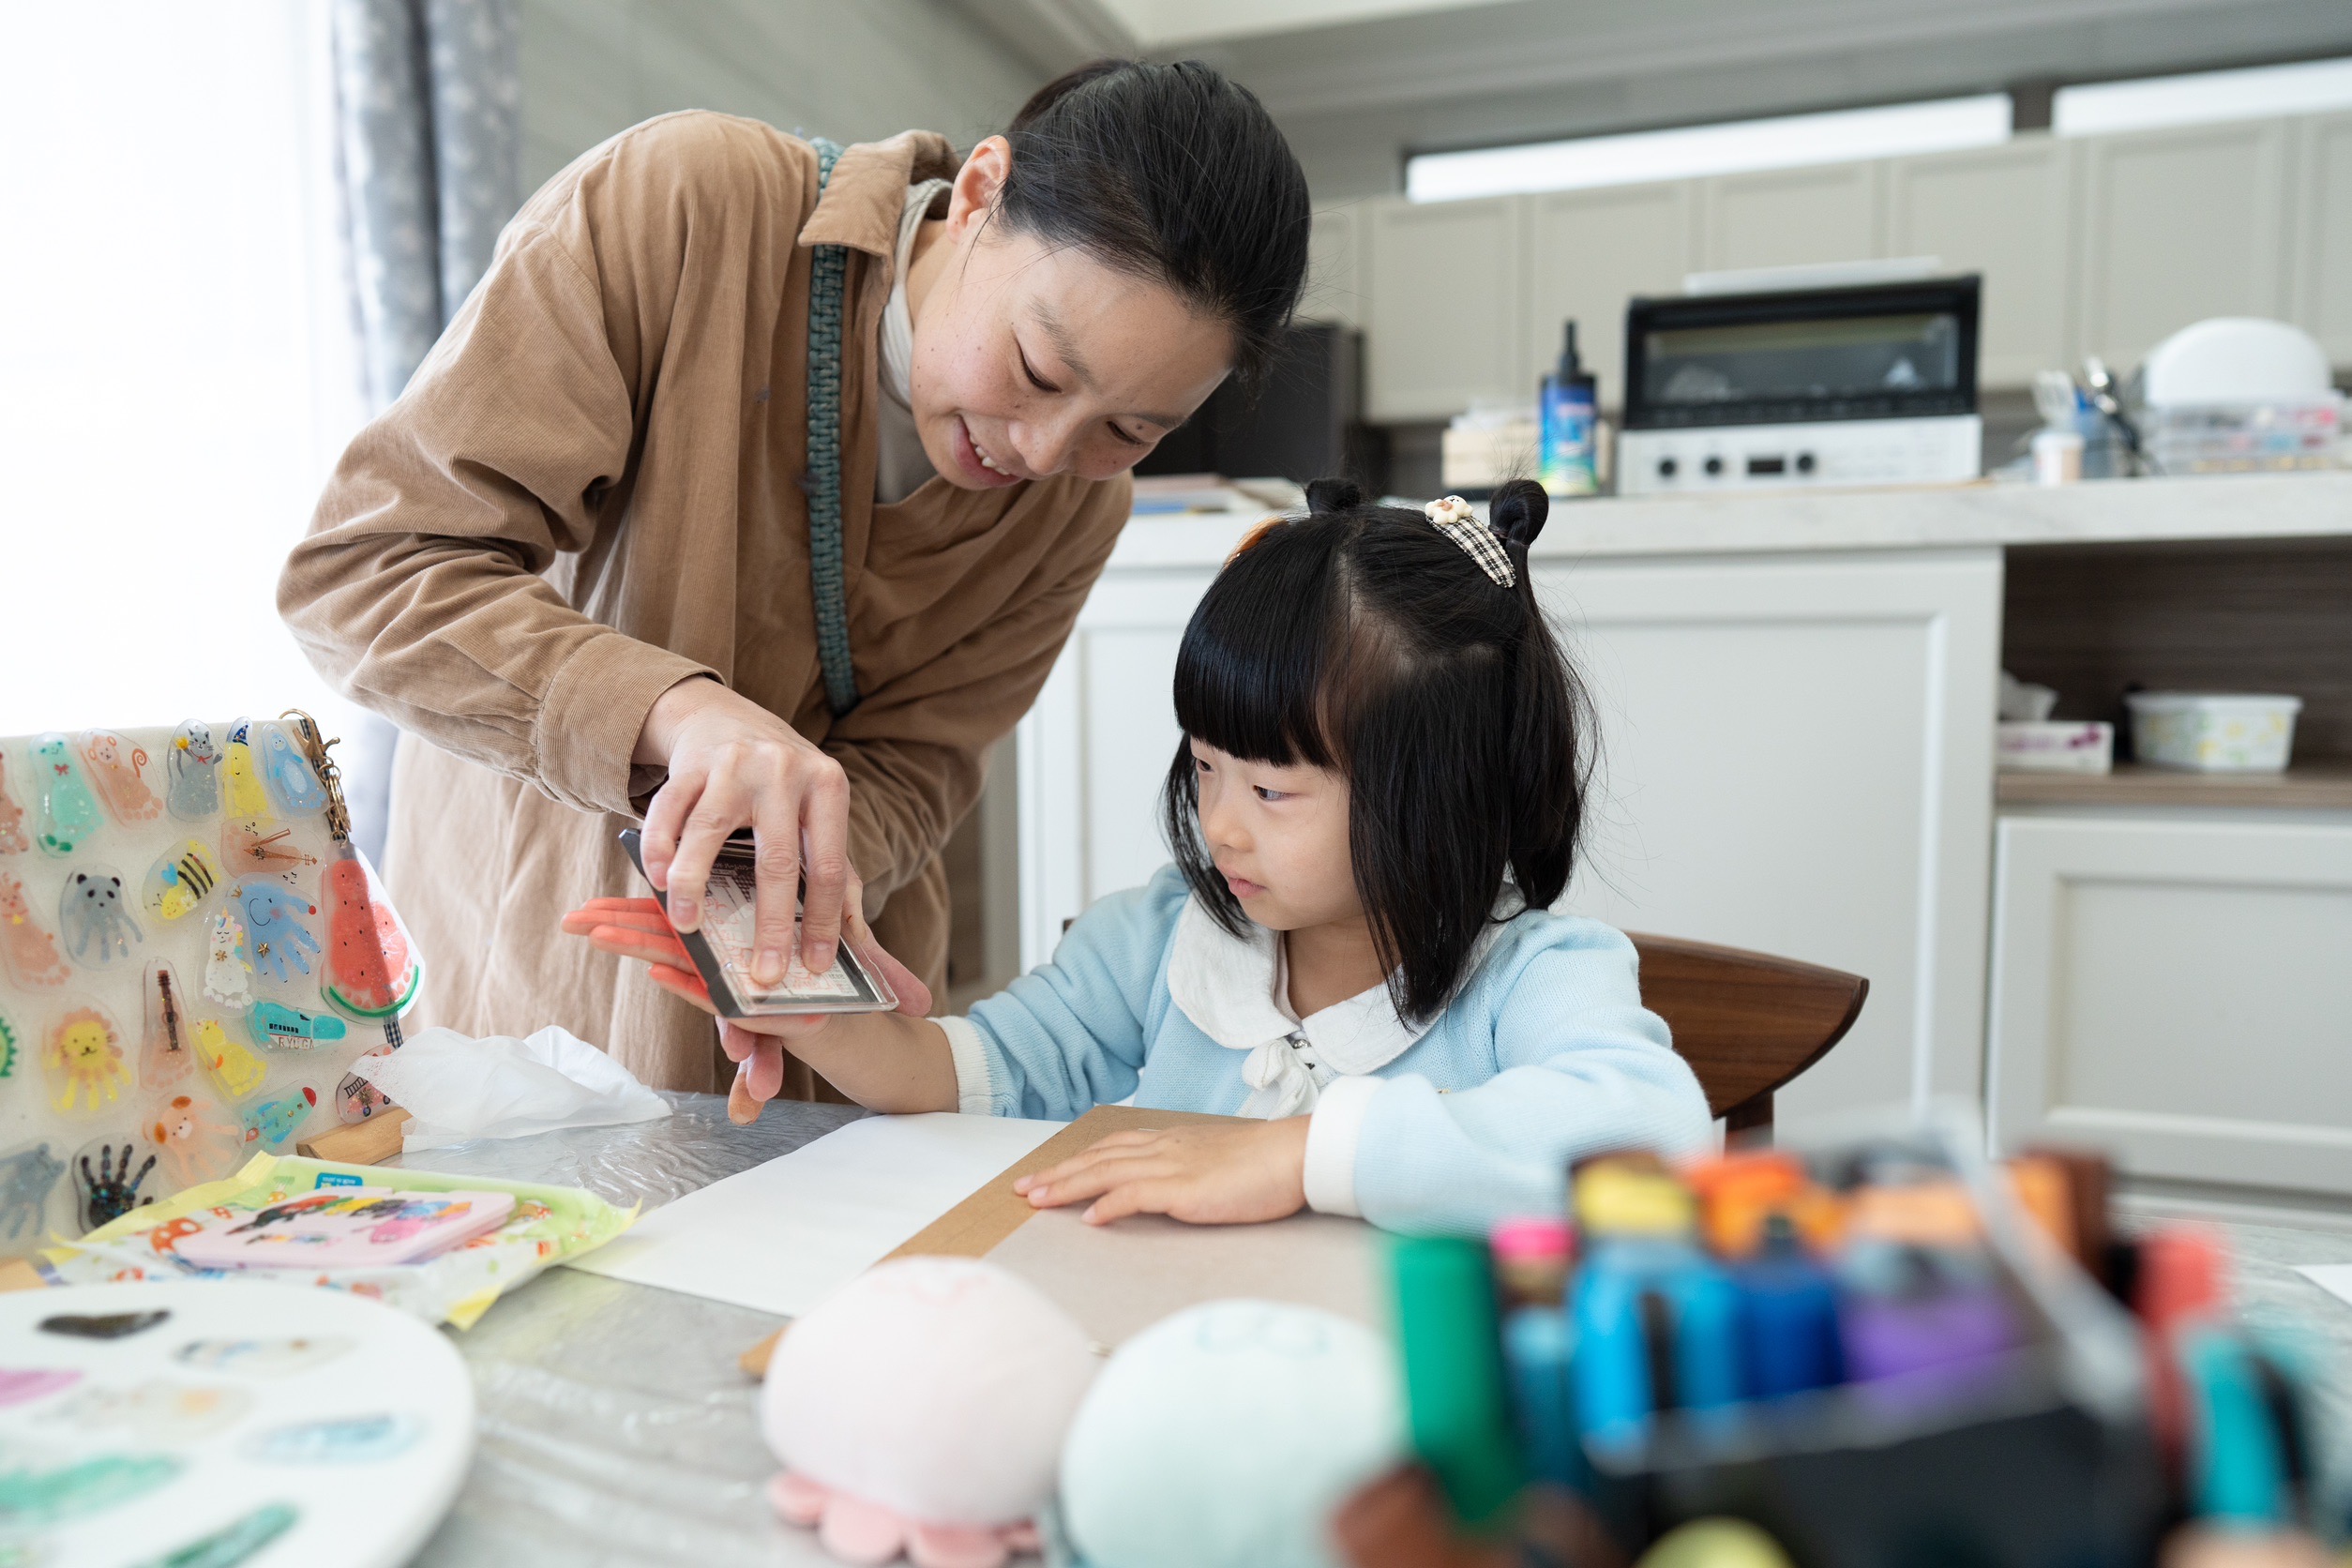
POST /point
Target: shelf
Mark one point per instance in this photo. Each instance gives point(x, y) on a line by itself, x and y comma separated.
point(2318, 786)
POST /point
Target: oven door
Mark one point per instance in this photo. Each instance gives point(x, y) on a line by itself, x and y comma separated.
point(1892, 350)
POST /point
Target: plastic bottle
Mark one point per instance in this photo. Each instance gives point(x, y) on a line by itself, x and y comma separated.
point(1567, 412)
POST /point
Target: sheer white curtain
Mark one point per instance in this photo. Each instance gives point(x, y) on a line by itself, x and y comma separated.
point(175, 355)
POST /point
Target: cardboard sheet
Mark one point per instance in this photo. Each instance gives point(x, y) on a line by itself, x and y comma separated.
point(1118, 1279)
point(2335, 1278)
point(783, 1236)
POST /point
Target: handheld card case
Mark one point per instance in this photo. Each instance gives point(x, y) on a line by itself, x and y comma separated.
point(721, 948)
point(192, 953)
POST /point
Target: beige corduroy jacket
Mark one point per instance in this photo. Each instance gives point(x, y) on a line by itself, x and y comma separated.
point(591, 490)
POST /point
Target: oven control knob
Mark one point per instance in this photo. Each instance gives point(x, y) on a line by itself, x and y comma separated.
point(1805, 462)
point(1714, 468)
point(1667, 467)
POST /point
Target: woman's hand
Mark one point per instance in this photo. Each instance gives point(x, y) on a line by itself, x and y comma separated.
point(734, 765)
point(637, 928)
point(1205, 1174)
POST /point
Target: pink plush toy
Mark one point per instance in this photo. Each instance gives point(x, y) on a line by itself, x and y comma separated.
point(922, 1410)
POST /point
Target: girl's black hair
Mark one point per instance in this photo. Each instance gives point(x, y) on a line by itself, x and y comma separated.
point(1359, 639)
point(1175, 173)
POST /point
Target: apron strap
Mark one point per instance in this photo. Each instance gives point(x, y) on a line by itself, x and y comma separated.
point(828, 272)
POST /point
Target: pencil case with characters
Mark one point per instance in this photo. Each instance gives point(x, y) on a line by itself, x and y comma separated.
point(192, 954)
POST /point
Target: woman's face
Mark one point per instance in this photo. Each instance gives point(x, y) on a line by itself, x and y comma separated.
point(1031, 361)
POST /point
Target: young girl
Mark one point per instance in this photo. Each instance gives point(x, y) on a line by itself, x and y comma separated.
point(1378, 793)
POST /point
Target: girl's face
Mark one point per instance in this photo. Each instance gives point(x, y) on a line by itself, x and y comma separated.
point(1279, 836)
point(1031, 361)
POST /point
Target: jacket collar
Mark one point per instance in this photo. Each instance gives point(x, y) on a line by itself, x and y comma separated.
point(1230, 988)
point(861, 205)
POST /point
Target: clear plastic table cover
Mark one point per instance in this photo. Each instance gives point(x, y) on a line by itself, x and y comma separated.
point(616, 1428)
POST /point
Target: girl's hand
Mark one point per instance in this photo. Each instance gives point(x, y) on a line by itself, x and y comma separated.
point(637, 928)
point(1202, 1174)
point(734, 765)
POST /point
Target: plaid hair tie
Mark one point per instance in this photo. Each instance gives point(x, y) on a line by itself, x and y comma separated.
point(1453, 518)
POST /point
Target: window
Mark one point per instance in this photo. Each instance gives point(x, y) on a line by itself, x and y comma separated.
point(2097, 109)
point(1838, 137)
point(172, 386)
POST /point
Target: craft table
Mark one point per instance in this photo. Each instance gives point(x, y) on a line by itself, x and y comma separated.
point(616, 1428)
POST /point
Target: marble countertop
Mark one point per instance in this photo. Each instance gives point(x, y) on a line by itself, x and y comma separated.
point(2219, 507)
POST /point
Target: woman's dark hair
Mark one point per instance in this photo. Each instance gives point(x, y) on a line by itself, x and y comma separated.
point(1172, 173)
point(1360, 639)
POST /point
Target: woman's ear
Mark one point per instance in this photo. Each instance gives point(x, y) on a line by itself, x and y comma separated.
point(977, 186)
point(1332, 495)
point(1518, 511)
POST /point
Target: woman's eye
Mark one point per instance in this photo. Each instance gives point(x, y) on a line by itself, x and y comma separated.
point(1040, 383)
point(1128, 436)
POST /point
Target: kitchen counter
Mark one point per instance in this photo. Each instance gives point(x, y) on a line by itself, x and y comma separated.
point(2215, 507)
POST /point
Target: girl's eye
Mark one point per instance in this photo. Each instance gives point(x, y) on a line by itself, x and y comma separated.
point(1040, 383)
point(1201, 765)
point(1264, 794)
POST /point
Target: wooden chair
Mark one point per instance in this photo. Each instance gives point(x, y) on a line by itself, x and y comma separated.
point(1746, 1022)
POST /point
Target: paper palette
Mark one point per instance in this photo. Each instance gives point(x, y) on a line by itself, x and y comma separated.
point(218, 1423)
point(191, 959)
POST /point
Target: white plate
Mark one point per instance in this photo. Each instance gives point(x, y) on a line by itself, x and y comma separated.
point(355, 1417)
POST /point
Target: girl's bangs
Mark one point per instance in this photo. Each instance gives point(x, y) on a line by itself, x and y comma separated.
point(1250, 673)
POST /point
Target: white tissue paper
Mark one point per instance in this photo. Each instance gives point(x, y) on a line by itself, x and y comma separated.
point(455, 1086)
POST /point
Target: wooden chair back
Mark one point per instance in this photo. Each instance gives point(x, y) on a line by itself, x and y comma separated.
point(1746, 1022)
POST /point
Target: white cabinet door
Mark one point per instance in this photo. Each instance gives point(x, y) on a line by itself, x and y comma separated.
point(1797, 758)
point(2176, 992)
point(2006, 212)
point(1785, 216)
point(1095, 748)
point(1335, 291)
point(2179, 225)
point(2323, 291)
point(1444, 328)
point(1590, 252)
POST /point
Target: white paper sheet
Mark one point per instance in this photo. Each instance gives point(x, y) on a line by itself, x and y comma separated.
point(2335, 1278)
point(783, 1236)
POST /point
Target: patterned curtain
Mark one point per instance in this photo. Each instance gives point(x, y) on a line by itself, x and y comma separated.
point(429, 145)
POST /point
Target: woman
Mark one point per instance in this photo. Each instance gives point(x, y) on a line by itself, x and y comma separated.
point(577, 555)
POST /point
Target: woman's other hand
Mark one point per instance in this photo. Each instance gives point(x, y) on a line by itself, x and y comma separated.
point(734, 765)
point(637, 928)
point(1205, 1174)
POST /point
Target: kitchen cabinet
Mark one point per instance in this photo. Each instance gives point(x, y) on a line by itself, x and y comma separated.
point(2179, 225)
point(2007, 212)
point(1335, 290)
point(1590, 252)
point(2323, 259)
point(2171, 987)
point(1784, 217)
point(1443, 318)
point(1794, 751)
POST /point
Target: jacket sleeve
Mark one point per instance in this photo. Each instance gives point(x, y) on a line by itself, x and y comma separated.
point(418, 593)
point(916, 749)
point(1072, 1034)
point(1581, 1067)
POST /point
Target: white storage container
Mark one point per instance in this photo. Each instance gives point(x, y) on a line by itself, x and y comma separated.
point(2053, 746)
point(2213, 732)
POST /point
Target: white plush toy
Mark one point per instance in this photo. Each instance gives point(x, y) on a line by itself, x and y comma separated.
point(921, 1409)
point(1226, 1436)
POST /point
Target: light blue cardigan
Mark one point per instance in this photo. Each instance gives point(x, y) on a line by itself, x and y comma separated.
point(1545, 1055)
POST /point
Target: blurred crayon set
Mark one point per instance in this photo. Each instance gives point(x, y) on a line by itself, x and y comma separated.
point(1882, 1355)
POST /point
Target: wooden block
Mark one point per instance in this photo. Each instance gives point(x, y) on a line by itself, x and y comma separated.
point(973, 1227)
point(369, 1142)
point(17, 1275)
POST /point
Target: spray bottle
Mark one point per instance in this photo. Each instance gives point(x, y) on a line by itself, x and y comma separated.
point(1568, 413)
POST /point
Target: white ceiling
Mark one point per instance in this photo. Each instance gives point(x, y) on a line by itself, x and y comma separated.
point(1158, 24)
